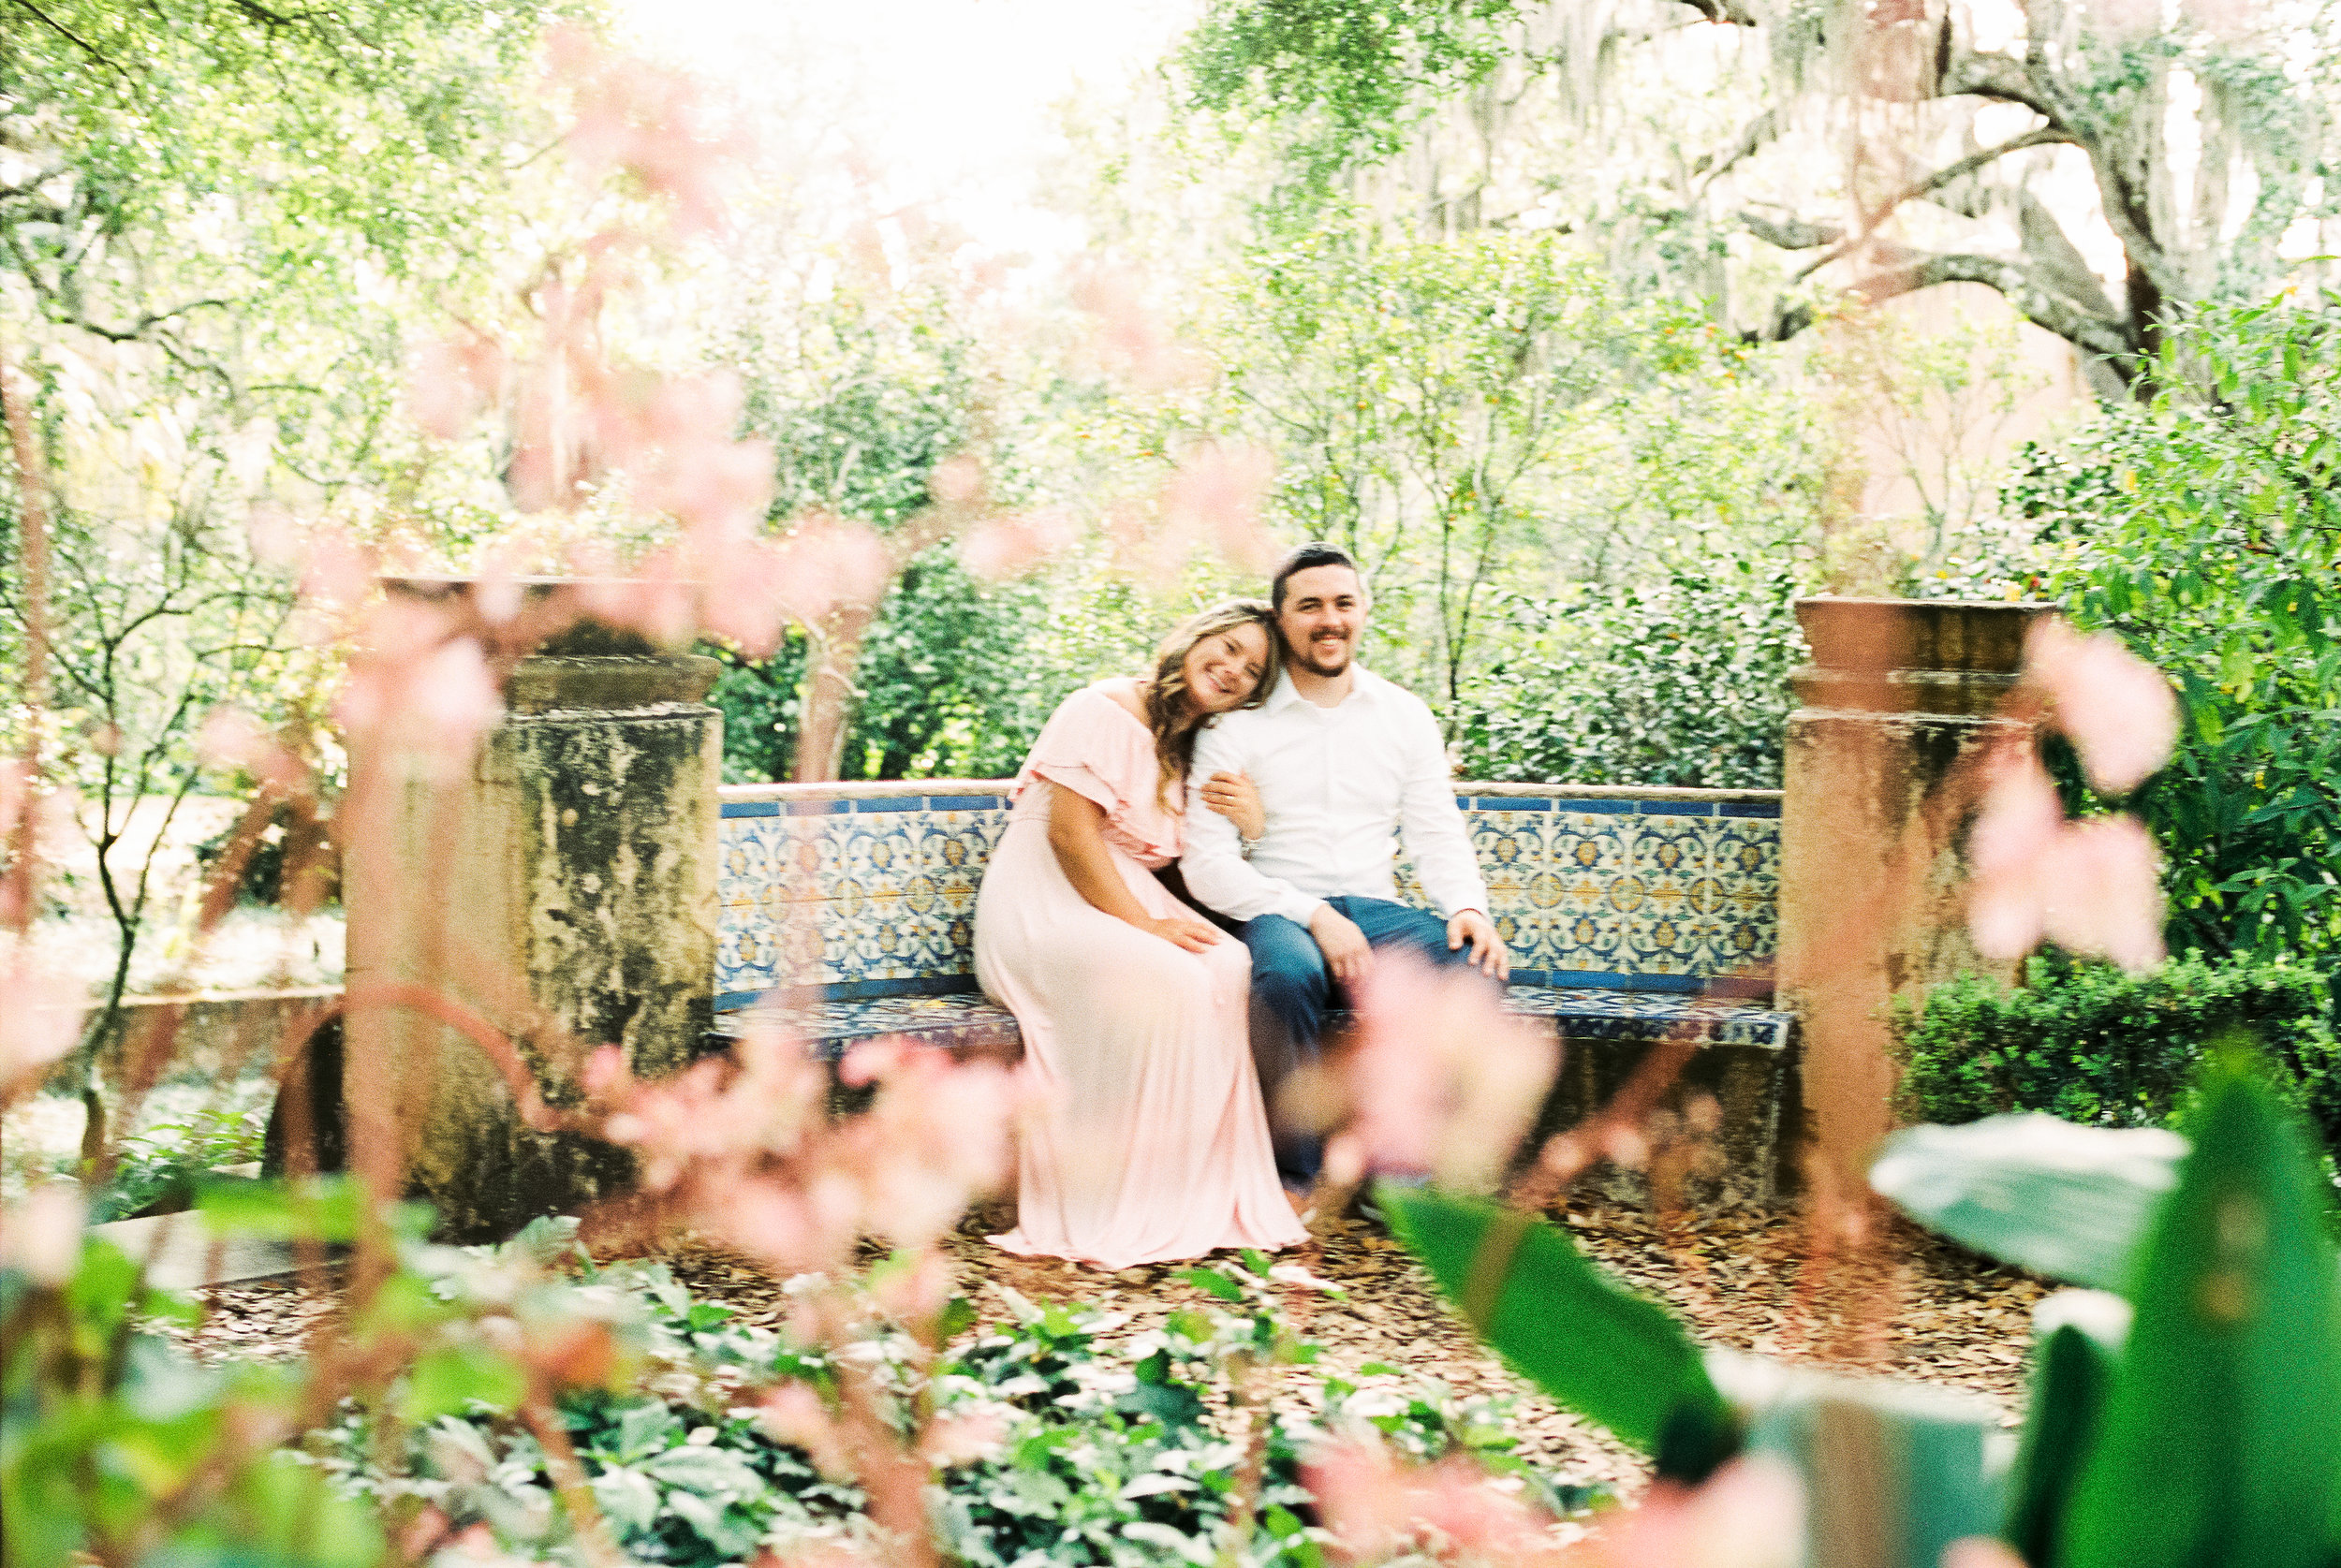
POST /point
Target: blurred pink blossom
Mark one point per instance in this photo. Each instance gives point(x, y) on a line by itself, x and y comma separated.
point(230, 737)
point(2091, 886)
point(413, 689)
point(449, 380)
point(1750, 1513)
point(648, 121)
point(336, 572)
point(1129, 335)
point(43, 1235)
point(1442, 1080)
point(1214, 499)
point(956, 480)
point(2118, 710)
point(41, 1017)
point(825, 563)
point(1376, 1508)
point(794, 1414)
point(956, 1440)
point(1000, 547)
point(275, 536)
point(913, 1292)
point(1980, 1551)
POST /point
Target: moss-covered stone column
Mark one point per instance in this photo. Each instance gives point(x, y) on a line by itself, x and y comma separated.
point(1873, 852)
point(569, 879)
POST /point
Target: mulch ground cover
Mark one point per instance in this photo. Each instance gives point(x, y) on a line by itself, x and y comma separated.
point(1904, 1304)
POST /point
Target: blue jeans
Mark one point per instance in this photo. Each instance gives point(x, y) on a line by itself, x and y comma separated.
point(1292, 989)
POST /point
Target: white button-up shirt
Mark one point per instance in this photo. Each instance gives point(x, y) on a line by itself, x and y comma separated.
point(1336, 783)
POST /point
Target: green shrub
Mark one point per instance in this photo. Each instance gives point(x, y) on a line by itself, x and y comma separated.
point(2089, 1044)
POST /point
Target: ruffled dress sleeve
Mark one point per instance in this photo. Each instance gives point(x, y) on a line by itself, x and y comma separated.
point(1095, 747)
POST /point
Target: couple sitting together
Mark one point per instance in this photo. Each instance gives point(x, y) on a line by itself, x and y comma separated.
point(1271, 772)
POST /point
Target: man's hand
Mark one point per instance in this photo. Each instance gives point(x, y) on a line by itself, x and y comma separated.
point(1347, 954)
point(1234, 796)
point(1487, 948)
point(1180, 931)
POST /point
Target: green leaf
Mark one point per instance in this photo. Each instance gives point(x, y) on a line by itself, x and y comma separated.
point(1894, 1473)
point(1578, 1334)
point(2221, 1440)
point(325, 1209)
point(1215, 1282)
point(2063, 1200)
point(449, 1381)
point(2078, 1337)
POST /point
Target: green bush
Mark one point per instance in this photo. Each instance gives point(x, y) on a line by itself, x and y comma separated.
point(2089, 1044)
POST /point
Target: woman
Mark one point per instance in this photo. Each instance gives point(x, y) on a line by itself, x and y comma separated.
point(1151, 1143)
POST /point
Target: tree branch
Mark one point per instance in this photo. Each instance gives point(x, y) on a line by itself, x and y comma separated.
point(1960, 168)
point(1791, 233)
point(2106, 338)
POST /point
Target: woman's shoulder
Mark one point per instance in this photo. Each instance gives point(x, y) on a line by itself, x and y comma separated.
point(1120, 691)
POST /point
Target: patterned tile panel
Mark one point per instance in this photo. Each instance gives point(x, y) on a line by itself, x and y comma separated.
point(966, 1024)
point(875, 893)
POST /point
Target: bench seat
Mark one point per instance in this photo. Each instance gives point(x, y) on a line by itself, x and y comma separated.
point(970, 1023)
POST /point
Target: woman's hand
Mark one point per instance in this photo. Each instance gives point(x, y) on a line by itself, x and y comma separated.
point(1193, 935)
point(1235, 798)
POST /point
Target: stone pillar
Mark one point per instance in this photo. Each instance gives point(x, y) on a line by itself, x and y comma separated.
point(1900, 695)
point(567, 878)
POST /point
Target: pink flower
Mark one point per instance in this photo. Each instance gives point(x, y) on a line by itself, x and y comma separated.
point(794, 1414)
point(2091, 886)
point(1377, 1509)
point(1443, 1080)
point(1002, 547)
point(43, 1235)
point(1214, 499)
point(1750, 1513)
point(2117, 708)
point(957, 1439)
point(448, 381)
point(826, 564)
point(956, 480)
point(1129, 334)
point(231, 737)
point(40, 1018)
point(412, 689)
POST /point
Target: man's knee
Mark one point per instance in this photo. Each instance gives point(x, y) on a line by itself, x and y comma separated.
point(1287, 970)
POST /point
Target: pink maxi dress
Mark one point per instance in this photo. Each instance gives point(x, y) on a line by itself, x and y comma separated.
point(1150, 1142)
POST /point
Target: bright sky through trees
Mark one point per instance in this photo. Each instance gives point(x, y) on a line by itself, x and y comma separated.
point(952, 100)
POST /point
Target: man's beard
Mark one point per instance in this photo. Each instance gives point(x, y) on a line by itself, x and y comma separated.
point(1306, 658)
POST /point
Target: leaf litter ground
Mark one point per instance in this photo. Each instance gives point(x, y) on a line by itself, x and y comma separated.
point(1907, 1305)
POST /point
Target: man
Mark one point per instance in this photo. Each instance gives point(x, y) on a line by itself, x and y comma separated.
point(1342, 758)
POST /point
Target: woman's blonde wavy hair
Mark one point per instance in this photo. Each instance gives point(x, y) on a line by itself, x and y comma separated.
point(1171, 716)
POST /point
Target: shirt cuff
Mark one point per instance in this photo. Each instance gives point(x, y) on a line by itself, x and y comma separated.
point(1299, 908)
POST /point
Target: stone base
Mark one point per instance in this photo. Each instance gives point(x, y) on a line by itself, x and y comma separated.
point(568, 881)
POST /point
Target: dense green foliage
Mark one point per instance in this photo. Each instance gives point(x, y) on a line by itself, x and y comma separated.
point(2206, 530)
point(1098, 1455)
point(2088, 1044)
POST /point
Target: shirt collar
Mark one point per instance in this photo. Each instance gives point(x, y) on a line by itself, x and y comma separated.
point(1365, 688)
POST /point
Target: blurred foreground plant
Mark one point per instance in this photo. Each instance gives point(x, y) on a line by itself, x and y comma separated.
point(2192, 1419)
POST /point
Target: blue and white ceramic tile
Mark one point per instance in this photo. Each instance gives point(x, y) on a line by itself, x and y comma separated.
point(878, 894)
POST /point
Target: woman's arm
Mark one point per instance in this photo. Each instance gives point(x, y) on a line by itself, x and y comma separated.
point(1077, 832)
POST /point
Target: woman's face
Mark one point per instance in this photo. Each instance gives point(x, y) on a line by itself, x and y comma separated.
point(1223, 668)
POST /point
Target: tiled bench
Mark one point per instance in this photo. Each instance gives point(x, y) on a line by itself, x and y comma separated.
point(1628, 914)
point(1632, 916)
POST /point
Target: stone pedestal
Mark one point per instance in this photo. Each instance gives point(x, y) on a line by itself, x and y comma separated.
point(569, 879)
point(1872, 874)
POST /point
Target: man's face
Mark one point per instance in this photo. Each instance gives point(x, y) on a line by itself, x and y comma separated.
point(1323, 614)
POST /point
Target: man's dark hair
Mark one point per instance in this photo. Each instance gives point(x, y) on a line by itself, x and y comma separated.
point(1316, 552)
